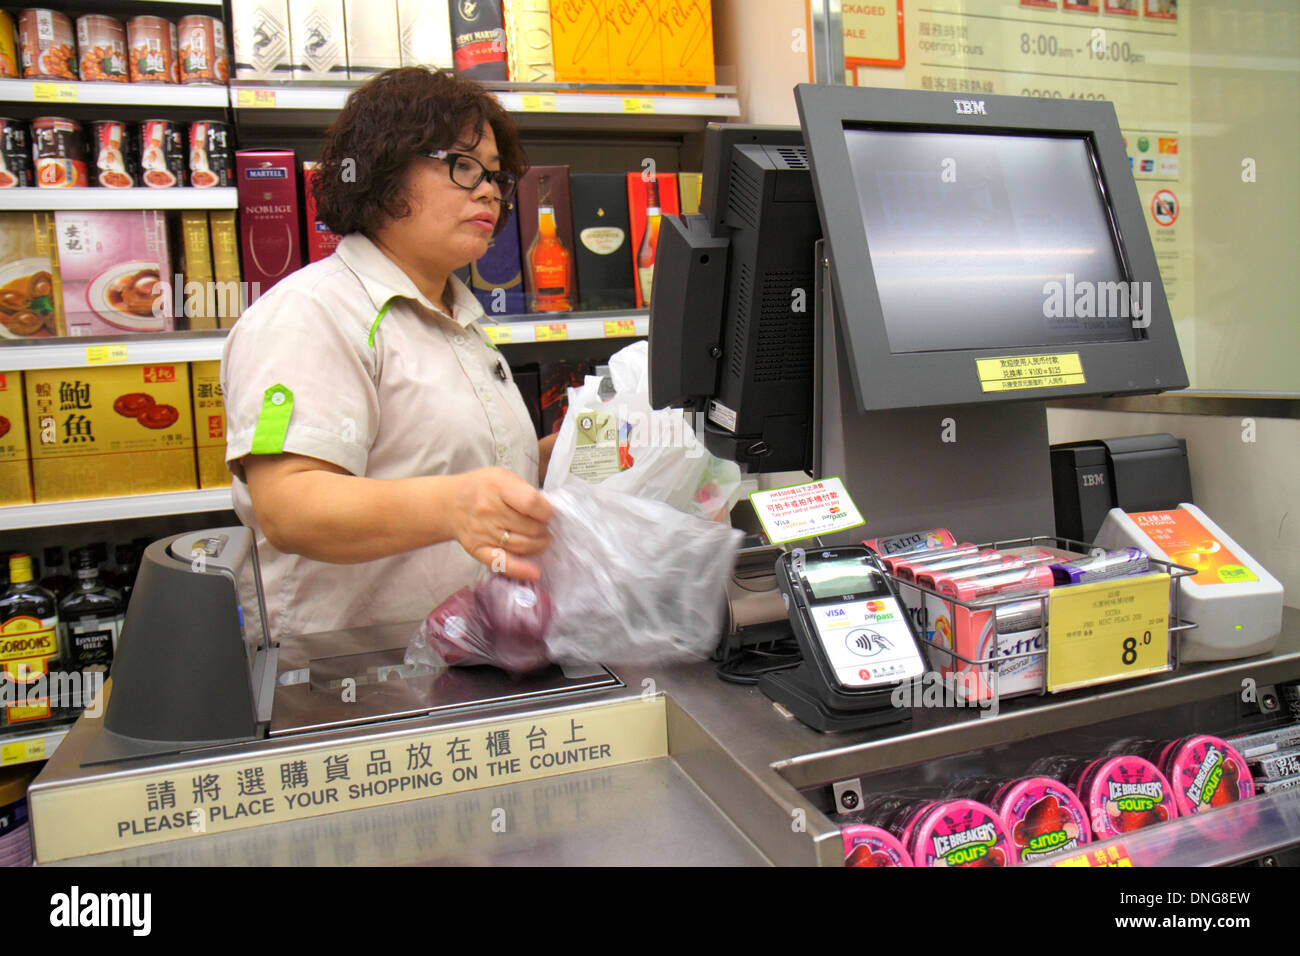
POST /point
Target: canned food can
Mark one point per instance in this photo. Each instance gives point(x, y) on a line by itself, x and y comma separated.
point(15, 154)
point(60, 152)
point(8, 48)
point(152, 50)
point(46, 39)
point(211, 158)
point(101, 47)
point(162, 154)
point(175, 71)
point(111, 155)
point(201, 50)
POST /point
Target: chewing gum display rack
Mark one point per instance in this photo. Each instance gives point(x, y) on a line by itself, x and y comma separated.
point(981, 667)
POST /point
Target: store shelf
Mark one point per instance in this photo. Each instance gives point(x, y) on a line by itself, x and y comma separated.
point(178, 197)
point(31, 747)
point(88, 510)
point(58, 93)
point(565, 328)
point(146, 349)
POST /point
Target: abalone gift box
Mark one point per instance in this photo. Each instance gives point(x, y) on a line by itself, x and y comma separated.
point(116, 272)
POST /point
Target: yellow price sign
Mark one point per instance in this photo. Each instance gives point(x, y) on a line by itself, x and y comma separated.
point(1114, 855)
point(1108, 630)
point(638, 104)
point(54, 93)
point(1012, 373)
point(498, 334)
point(539, 103)
point(255, 99)
point(620, 328)
point(22, 751)
point(105, 354)
point(552, 331)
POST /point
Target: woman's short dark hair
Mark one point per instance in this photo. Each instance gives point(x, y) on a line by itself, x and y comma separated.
point(386, 123)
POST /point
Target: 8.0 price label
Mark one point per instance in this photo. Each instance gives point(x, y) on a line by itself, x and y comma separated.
point(1110, 630)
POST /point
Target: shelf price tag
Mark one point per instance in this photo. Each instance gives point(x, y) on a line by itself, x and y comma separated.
point(1108, 630)
point(620, 328)
point(551, 331)
point(638, 104)
point(22, 751)
point(539, 103)
point(105, 354)
point(1113, 855)
point(54, 93)
point(498, 334)
point(255, 99)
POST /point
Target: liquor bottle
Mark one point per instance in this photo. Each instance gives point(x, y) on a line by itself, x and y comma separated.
point(56, 579)
point(550, 262)
point(645, 256)
point(91, 616)
point(29, 642)
point(122, 580)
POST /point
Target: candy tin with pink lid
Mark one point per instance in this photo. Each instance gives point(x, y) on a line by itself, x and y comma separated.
point(865, 845)
point(1043, 817)
point(1206, 772)
point(960, 833)
point(1123, 794)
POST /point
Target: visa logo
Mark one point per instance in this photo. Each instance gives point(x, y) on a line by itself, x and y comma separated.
point(836, 612)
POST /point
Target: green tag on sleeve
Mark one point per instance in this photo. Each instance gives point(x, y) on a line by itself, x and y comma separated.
point(273, 421)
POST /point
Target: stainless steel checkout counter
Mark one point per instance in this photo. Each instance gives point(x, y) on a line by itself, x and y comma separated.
point(625, 766)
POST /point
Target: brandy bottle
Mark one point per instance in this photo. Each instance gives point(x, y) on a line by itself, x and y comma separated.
point(549, 261)
point(645, 256)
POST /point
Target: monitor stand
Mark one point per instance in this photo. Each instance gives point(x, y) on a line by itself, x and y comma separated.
point(982, 471)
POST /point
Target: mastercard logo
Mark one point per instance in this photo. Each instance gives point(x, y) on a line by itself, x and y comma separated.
point(875, 605)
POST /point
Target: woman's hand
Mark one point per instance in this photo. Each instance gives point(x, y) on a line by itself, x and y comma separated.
point(497, 517)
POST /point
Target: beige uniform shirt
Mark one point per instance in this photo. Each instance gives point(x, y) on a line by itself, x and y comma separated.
point(346, 361)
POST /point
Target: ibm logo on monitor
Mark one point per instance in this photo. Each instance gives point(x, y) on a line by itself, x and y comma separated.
point(971, 106)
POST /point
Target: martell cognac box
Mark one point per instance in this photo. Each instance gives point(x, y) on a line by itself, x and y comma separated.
point(602, 240)
point(116, 271)
point(15, 454)
point(268, 216)
point(578, 39)
point(632, 33)
point(497, 278)
point(261, 35)
point(530, 55)
point(209, 424)
point(424, 27)
point(110, 430)
point(686, 39)
point(637, 203)
point(317, 43)
point(321, 242)
point(374, 44)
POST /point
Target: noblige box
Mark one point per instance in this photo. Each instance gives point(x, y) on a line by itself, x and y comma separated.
point(209, 424)
point(99, 432)
point(15, 456)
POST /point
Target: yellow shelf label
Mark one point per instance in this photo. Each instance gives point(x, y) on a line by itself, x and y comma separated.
point(22, 751)
point(1108, 630)
point(255, 99)
point(552, 331)
point(498, 334)
point(539, 103)
point(105, 354)
point(1015, 372)
point(620, 328)
point(637, 104)
point(54, 93)
point(1113, 855)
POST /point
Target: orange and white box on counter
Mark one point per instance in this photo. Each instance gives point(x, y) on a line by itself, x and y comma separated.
point(99, 432)
point(209, 424)
point(15, 455)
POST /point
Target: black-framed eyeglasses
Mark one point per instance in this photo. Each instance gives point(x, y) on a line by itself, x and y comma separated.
point(467, 172)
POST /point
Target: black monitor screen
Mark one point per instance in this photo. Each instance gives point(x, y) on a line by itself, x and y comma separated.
point(967, 231)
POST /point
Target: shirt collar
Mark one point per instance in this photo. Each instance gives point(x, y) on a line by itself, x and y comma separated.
point(382, 278)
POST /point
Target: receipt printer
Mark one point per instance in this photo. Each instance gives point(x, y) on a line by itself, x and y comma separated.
point(1139, 473)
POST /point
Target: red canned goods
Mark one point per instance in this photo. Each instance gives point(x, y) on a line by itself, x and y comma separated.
point(162, 154)
point(111, 152)
point(201, 48)
point(60, 152)
point(152, 49)
point(174, 72)
point(15, 154)
point(211, 159)
point(101, 47)
point(46, 39)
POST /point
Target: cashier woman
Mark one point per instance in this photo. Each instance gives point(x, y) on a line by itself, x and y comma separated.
point(381, 452)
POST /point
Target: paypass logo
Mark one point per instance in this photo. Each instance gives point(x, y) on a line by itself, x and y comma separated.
point(77, 909)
